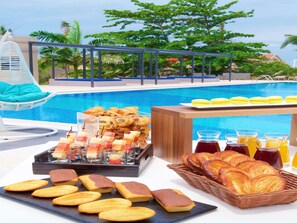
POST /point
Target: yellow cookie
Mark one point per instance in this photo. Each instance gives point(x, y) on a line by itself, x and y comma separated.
point(96, 207)
point(220, 101)
point(77, 198)
point(127, 214)
point(55, 191)
point(200, 102)
point(258, 100)
point(239, 100)
point(28, 185)
point(274, 99)
point(291, 99)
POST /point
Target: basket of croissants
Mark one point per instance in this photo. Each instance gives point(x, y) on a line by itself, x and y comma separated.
point(121, 121)
point(237, 179)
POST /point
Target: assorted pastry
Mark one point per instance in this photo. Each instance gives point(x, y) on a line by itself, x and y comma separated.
point(89, 201)
point(105, 149)
point(237, 172)
point(122, 121)
point(239, 100)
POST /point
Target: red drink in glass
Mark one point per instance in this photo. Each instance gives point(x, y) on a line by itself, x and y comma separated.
point(207, 146)
point(271, 156)
point(237, 147)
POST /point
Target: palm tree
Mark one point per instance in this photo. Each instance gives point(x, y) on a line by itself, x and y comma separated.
point(67, 56)
point(291, 39)
point(2, 30)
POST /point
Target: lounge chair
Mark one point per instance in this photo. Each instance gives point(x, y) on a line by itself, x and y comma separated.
point(18, 90)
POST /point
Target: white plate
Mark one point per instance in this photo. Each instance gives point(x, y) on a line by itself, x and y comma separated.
point(283, 104)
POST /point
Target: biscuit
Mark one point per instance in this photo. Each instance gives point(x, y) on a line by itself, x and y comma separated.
point(55, 191)
point(96, 207)
point(127, 214)
point(77, 198)
point(63, 177)
point(97, 183)
point(28, 185)
point(94, 111)
point(173, 200)
point(134, 191)
point(124, 121)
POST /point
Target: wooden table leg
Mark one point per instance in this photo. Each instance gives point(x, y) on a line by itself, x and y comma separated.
point(293, 131)
point(171, 136)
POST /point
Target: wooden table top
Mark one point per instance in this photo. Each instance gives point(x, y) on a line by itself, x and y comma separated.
point(187, 112)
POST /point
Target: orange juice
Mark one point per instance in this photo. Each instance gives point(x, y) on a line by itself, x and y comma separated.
point(252, 143)
point(294, 163)
point(285, 153)
point(273, 143)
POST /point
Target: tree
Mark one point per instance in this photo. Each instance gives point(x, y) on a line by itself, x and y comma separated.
point(68, 56)
point(291, 39)
point(153, 22)
point(198, 25)
point(3, 29)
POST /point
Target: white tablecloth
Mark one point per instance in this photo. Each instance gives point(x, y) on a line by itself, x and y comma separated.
point(156, 176)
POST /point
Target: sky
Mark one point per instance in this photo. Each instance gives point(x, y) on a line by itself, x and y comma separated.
point(271, 21)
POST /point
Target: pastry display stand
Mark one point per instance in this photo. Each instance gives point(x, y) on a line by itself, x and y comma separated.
point(172, 126)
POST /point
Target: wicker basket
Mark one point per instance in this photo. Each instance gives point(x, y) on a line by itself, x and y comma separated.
point(242, 201)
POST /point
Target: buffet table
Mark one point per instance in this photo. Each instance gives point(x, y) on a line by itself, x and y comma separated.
point(155, 176)
point(177, 123)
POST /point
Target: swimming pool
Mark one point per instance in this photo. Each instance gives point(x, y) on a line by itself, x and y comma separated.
point(63, 107)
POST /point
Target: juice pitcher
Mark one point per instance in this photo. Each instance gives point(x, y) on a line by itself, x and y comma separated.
point(279, 141)
point(250, 139)
point(232, 144)
point(208, 141)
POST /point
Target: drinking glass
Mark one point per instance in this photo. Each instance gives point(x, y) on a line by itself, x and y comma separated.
point(208, 141)
point(250, 139)
point(232, 144)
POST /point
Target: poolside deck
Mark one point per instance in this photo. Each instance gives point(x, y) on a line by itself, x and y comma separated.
point(136, 86)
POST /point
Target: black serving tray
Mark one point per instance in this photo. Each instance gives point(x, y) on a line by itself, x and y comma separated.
point(42, 166)
point(72, 213)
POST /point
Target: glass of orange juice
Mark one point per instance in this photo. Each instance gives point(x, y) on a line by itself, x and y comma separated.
point(294, 163)
point(279, 141)
point(249, 138)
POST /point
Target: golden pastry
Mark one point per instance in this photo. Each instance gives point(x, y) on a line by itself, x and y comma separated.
point(28, 185)
point(55, 191)
point(128, 214)
point(77, 198)
point(96, 207)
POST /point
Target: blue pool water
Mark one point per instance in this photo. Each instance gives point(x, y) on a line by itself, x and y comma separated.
point(63, 107)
